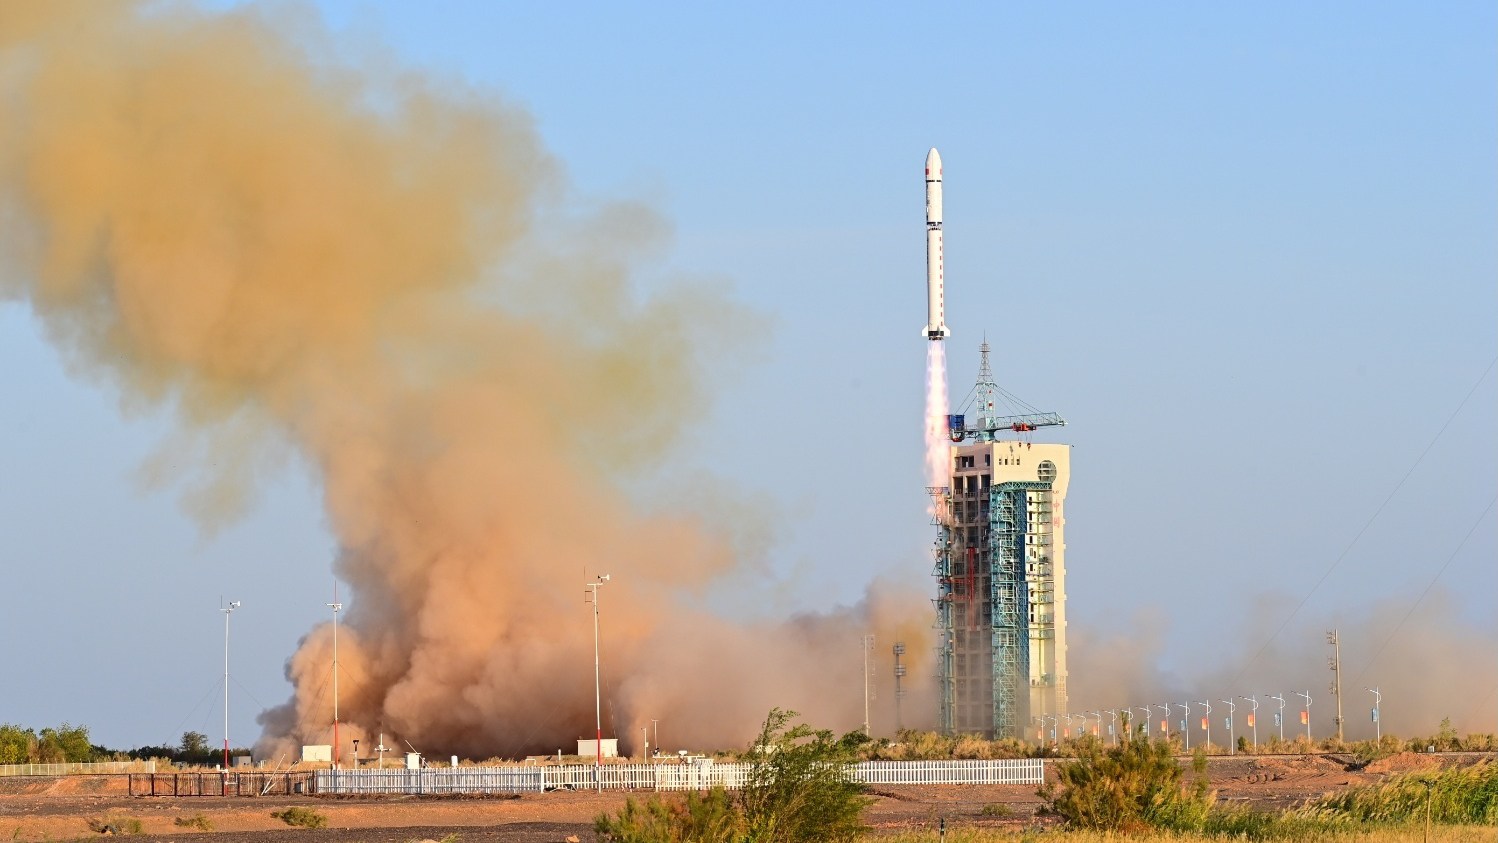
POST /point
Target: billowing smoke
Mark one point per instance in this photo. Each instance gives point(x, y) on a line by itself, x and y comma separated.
point(1436, 664)
point(381, 274)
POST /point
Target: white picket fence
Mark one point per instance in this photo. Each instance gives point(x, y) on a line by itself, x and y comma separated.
point(79, 768)
point(699, 775)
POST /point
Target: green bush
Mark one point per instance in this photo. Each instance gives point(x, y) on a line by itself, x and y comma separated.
point(1133, 787)
point(700, 818)
point(996, 809)
point(798, 790)
point(301, 817)
point(1453, 796)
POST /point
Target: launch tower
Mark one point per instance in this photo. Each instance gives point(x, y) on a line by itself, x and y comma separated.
point(1000, 567)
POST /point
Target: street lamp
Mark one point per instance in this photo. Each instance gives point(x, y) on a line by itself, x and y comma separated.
point(1378, 730)
point(1279, 719)
point(1207, 720)
point(356, 753)
point(337, 747)
point(1165, 724)
point(1307, 713)
point(1185, 723)
point(227, 610)
point(656, 725)
point(597, 690)
point(1232, 709)
point(1253, 719)
point(1113, 724)
point(1099, 716)
point(1146, 711)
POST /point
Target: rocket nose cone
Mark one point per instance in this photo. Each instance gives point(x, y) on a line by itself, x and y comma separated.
point(933, 163)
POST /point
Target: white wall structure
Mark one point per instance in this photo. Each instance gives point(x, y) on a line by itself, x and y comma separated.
point(587, 748)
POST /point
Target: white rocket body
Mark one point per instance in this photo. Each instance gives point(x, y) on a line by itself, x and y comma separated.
point(936, 296)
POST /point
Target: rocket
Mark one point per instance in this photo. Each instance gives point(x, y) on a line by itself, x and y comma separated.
point(936, 296)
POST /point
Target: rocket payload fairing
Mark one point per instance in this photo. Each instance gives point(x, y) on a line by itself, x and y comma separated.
point(936, 296)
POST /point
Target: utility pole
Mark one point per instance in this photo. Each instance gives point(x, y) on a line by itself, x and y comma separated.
point(899, 691)
point(868, 670)
point(337, 747)
point(229, 610)
point(597, 690)
point(1336, 665)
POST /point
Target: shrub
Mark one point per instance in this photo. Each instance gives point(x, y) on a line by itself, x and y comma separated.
point(116, 825)
point(701, 818)
point(996, 809)
point(797, 790)
point(197, 821)
point(1453, 796)
point(301, 817)
point(1133, 787)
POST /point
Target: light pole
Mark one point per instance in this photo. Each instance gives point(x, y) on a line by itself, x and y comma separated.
point(597, 690)
point(1067, 733)
point(1099, 732)
point(1113, 724)
point(356, 753)
point(337, 747)
point(1232, 709)
point(1055, 721)
point(1185, 724)
point(1165, 724)
point(1306, 714)
point(1146, 711)
point(1378, 730)
point(1253, 718)
point(655, 725)
point(868, 649)
point(227, 610)
point(1279, 719)
point(1207, 720)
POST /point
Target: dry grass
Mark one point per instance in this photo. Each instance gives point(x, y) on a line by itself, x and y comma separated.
point(1412, 834)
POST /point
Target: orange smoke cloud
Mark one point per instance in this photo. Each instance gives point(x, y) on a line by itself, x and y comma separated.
point(380, 274)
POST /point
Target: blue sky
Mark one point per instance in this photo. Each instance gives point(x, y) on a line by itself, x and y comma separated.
point(1248, 252)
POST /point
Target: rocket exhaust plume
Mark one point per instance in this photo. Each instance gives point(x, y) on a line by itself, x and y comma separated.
point(937, 440)
point(380, 275)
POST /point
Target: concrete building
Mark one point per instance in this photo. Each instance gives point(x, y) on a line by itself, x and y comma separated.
point(1001, 572)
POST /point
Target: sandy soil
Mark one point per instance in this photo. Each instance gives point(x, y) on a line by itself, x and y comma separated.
point(51, 809)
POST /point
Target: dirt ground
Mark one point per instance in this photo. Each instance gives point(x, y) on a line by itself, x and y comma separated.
point(50, 809)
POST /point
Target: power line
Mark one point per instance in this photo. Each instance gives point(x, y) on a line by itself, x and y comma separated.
point(1348, 549)
point(1428, 587)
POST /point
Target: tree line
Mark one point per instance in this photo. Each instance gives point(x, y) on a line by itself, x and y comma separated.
point(69, 744)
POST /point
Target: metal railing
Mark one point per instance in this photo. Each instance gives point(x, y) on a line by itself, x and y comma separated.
point(700, 775)
point(148, 766)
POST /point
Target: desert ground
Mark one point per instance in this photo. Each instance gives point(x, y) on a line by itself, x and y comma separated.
point(70, 808)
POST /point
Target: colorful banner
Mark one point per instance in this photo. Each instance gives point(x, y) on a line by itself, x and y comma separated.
point(1305, 717)
point(1250, 721)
